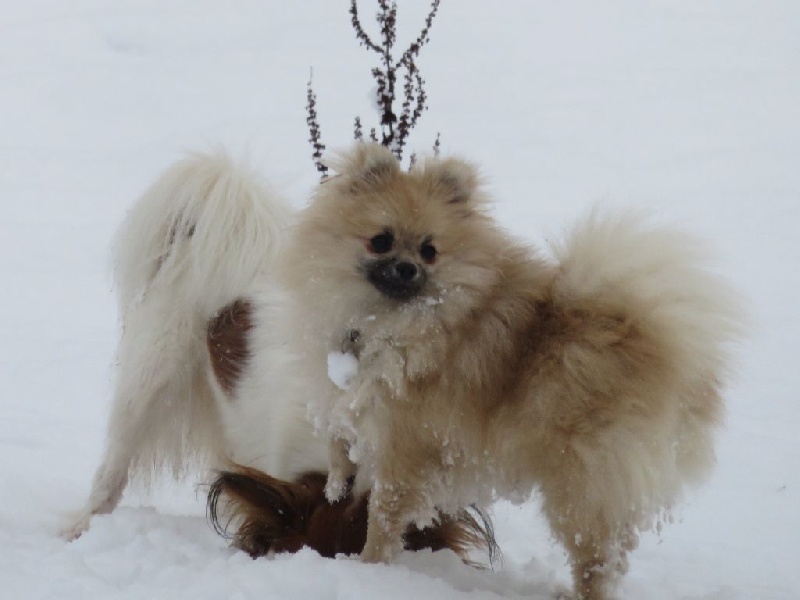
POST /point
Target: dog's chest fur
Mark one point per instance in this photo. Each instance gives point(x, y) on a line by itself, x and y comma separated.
point(484, 402)
point(463, 382)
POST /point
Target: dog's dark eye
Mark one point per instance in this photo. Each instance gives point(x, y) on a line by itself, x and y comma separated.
point(382, 243)
point(428, 252)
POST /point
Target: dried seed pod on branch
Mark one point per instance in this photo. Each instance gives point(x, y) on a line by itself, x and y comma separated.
point(393, 77)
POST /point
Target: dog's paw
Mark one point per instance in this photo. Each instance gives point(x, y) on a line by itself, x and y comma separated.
point(336, 488)
point(341, 470)
point(376, 553)
point(78, 525)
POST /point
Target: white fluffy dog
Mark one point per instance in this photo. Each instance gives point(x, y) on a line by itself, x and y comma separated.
point(205, 235)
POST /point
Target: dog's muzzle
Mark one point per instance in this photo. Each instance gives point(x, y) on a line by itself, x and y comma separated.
point(395, 278)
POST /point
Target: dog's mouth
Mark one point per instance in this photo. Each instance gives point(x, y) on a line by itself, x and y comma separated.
point(395, 278)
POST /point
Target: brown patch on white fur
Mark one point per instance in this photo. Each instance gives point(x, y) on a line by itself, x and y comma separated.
point(226, 339)
point(277, 516)
point(595, 378)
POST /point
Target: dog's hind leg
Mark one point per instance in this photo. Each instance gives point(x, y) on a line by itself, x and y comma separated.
point(595, 559)
point(111, 477)
point(109, 481)
point(594, 512)
point(152, 402)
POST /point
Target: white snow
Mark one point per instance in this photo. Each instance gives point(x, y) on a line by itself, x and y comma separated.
point(342, 368)
point(688, 108)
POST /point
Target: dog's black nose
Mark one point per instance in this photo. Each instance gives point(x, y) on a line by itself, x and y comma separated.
point(398, 279)
point(406, 271)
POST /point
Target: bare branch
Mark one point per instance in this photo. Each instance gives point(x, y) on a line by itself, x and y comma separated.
point(314, 130)
point(387, 19)
point(423, 38)
point(362, 36)
point(396, 123)
point(358, 133)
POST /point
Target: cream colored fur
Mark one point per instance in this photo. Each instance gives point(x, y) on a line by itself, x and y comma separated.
point(594, 377)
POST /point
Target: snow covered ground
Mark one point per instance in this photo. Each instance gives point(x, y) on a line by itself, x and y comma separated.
point(690, 108)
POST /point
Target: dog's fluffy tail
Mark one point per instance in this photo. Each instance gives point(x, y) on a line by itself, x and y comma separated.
point(683, 318)
point(661, 276)
point(205, 230)
point(261, 514)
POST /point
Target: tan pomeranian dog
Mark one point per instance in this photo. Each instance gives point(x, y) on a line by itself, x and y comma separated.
point(486, 370)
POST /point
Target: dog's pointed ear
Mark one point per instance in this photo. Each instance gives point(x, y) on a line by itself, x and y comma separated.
point(457, 180)
point(367, 162)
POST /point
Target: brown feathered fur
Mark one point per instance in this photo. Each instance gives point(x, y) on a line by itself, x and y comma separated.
point(487, 369)
point(261, 514)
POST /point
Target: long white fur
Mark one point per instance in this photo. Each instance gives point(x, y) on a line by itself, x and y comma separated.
point(266, 421)
point(204, 234)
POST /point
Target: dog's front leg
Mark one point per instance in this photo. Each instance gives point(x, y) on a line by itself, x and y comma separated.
point(342, 469)
point(387, 521)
